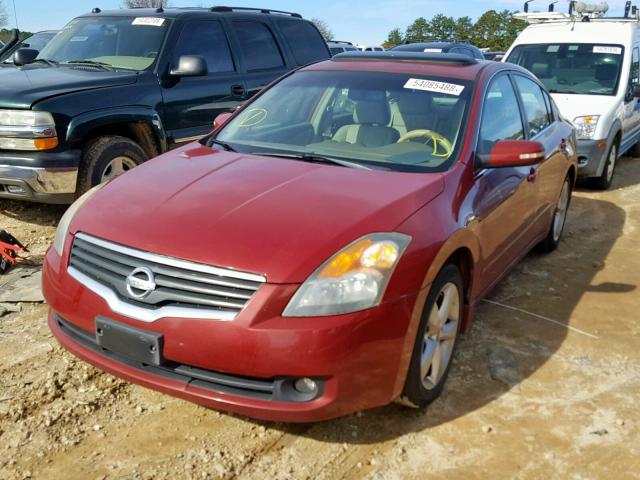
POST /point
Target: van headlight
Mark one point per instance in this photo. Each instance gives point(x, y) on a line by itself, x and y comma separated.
point(353, 279)
point(586, 126)
point(27, 130)
point(65, 221)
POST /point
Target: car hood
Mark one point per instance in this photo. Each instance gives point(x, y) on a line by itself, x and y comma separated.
point(572, 106)
point(23, 87)
point(276, 217)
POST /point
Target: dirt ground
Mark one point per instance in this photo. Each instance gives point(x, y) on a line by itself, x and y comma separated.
point(552, 393)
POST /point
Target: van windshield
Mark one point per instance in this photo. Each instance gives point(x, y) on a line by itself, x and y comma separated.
point(130, 43)
point(579, 68)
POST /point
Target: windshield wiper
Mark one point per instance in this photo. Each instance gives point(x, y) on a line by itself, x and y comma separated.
point(314, 158)
point(92, 63)
point(51, 63)
point(224, 145)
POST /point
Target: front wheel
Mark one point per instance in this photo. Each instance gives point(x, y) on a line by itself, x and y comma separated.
point(436, 339)
point(551, 242)
point(603, 182)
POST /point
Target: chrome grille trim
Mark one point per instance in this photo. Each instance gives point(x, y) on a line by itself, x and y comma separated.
point(184, 289)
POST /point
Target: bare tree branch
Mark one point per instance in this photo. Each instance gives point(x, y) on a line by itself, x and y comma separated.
point(324, 28)
point(4, 16)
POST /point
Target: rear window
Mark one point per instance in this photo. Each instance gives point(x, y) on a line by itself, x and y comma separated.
point(305, 41)
point(258, 46)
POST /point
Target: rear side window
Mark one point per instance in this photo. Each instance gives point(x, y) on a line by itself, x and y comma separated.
point(500, 116)
point(305, 41)
point(207, 39)
point(258, 46)
point(535, 106)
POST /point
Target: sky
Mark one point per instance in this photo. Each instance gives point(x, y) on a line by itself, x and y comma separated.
point(357, 21)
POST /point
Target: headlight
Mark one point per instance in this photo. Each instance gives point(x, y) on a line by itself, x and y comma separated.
point(353, 279)
point(586, 126)
point(65, 221)
point(27, 130)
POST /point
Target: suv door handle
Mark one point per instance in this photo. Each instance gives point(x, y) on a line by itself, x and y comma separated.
point(238, 91)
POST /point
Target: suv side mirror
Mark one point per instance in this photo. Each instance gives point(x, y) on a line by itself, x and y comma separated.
point(190, 66)
point(221, 120)
point(515, 153)
point(24, 56)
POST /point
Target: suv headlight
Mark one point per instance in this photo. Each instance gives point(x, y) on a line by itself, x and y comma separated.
point(65, 221)
point(27, 130)
point(353, 279)
point(586, 126)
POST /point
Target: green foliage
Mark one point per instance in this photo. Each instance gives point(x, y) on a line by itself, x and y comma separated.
point(494, 30)
point(5, 34)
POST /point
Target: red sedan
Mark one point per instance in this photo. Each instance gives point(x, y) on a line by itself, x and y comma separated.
point(321, 251)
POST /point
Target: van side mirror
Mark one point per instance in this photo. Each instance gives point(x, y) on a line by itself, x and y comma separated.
point(190, 66)
point(635, 91)
point(24, 56)
point(515, 153)
point(221, 120)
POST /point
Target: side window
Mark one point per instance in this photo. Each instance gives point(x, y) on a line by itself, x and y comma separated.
point(258, 46)
point(207, 39)
point(535, 106)
point(305, 41)
point(500, 116)
point(635, 67)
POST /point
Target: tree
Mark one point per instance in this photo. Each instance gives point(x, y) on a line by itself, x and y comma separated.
point(463, 30)
point(395, 38)
point(145, 3)
point(418, 30)
point(324, 29)
point(3, 15)
point(442, 27)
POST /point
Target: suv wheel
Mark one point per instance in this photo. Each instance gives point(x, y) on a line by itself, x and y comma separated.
point(107, 157)
point(436, 340)
point(603, 182)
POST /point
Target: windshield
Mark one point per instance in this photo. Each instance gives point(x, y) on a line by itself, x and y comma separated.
point(581, 68)
point(130, 43)
point(379, 120)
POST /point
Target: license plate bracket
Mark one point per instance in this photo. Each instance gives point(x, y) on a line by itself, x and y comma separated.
point(129, 342)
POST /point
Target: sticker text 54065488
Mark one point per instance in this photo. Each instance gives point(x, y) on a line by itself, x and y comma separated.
point(433, 86)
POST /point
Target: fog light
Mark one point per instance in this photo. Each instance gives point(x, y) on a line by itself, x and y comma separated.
point(305, 385)
point(16, 189)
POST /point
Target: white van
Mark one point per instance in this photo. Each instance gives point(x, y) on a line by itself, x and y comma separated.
point(590, 65)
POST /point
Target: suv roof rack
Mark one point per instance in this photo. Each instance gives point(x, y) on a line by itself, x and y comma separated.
point(435, 40)
point(250, 9)
point(451, 58)
point(340, 41)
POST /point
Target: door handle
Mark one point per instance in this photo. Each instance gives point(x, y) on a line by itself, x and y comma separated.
point(563, 145)
point(238, 91)
point(533, 174)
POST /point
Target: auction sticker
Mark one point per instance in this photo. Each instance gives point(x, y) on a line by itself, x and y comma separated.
point(433, 50)
point(433, 86)
point(610, 50)
point(149, 21)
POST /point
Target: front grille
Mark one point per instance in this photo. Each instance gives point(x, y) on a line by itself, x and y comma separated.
point(179, 285)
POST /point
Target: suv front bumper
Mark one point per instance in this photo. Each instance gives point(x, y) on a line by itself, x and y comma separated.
point(38, 176)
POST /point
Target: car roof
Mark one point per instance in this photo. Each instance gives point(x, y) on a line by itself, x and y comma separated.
point(178, 12)
point(437, 64)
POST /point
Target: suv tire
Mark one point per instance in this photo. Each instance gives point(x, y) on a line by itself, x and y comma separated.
point(106, 157)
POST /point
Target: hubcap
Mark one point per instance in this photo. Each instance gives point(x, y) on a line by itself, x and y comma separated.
point(561, 212)
point(440, 336)
point(611, 165)
point(116, 167)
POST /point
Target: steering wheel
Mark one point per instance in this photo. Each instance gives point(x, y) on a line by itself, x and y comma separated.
point(437, 139)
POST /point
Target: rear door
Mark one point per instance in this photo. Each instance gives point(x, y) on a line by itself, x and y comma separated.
point(192, 103)
point(631, 119)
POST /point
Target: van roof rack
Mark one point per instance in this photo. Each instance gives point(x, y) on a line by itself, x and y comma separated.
point(450, 58)
point(578, 12)
point(249, 9)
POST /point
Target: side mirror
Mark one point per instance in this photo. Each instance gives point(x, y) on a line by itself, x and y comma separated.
point(635, 91)
point(498, 58)
point(24, 56)
point(515, 153)
point(190, 66)
point(221, 120)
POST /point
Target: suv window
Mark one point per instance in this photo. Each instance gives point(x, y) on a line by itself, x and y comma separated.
point(305, 41)
point(207, 39)
point(535, 107)
point(500, 117)
point(258, 46)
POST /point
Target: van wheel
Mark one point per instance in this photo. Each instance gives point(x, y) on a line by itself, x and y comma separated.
point(105, 158)
point(554, 235)
point(603, 182)
point(436, 340)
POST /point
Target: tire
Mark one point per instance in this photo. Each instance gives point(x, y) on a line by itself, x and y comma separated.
point(603, 182)
point(551, 242)
point(107, 157)
point(423, 385)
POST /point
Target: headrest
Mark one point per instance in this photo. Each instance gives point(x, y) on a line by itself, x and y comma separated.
point(606, 72)
point(541, 70)
point(372, 113)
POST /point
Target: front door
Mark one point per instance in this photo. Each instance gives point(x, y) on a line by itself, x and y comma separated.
point(631, 118)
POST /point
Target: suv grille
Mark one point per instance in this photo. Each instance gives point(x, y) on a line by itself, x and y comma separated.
point(147, 286)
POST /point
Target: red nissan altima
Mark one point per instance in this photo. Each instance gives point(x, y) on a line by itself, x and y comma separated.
point(322, 250)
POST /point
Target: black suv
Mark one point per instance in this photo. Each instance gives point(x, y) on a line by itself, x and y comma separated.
point(115, 88)
point(461, 48)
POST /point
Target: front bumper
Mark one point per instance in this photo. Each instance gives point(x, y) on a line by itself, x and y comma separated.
point(591, 157)
point(39, 176)
point(360, 359)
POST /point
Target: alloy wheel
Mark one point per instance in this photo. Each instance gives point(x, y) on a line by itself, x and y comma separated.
point(116, 167)
point(560, 216)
